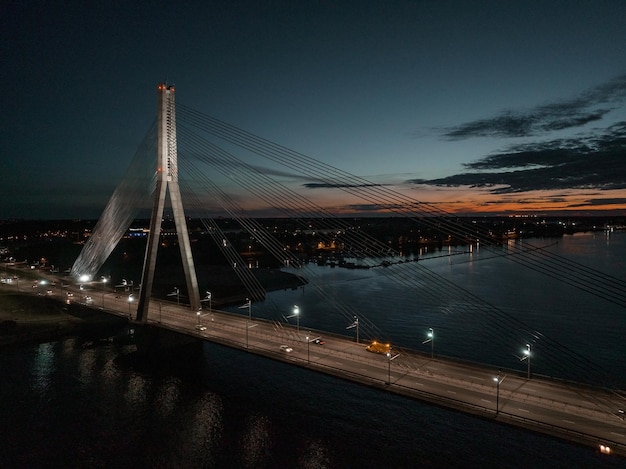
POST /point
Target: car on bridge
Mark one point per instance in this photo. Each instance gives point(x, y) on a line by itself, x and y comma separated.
point(200, 327)
point(378, 347)
point(286, 348)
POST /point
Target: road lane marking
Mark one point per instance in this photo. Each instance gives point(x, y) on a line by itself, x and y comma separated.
point(617, 434)
point(451, 392)
point(523, 410)
point(569, 421)
point(486, 400)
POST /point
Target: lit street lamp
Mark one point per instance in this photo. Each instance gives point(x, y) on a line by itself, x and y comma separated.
point(175, 293)
point(498, 381)
point(527, 358)
point(249, 306)
point(355, 323)
point(130, 300)
point(431, 339)
point(296, 314)
point(308, 350)
point(104, 281)
point(198, 316)
point(389, 358)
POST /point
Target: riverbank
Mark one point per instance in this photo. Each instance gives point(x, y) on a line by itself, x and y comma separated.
point(26, 318)
point(34, 319)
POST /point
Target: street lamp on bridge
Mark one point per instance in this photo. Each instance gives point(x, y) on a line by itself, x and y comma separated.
point(389, 358)
point(207, 298)
point(130, 300)
point(527, 358)
point(308, 350)
point(175, 293)
point(296, 314)
point(249, 306)
point(355, 323)
point(431, 339)
point(104, 281)
point(498, 382)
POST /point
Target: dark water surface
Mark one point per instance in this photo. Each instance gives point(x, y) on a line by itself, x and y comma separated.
point(63, 405)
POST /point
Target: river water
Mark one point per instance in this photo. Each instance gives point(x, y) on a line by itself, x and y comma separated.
point(64, 405)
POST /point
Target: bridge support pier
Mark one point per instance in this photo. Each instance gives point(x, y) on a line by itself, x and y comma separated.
point(152, 340)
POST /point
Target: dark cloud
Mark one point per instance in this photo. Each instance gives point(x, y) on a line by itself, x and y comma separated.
point(358, 208)
point(608, 201)
point(327, 185)
point(560, 115)
point(597, 162)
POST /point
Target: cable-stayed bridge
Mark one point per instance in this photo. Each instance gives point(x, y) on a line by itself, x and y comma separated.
point(180, 157)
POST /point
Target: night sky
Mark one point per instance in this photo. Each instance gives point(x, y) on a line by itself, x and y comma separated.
point(478, 106)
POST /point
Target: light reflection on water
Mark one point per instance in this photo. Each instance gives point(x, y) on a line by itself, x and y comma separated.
point(231, 409)
point(43, 367)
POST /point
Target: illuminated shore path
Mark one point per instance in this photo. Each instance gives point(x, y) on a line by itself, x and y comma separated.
point(582, 414)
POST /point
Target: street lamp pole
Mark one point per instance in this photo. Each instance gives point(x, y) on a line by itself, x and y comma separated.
point(498, 381)
point(431, 339)
point(431, 334)
point(104, 281)
point(130, 300)
point(389, 368)
point(355, 323)
point(296, 312)
point(527, 358)
point(308, 351)
point(249, 318)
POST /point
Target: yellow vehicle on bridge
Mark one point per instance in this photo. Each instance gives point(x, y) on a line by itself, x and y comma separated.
point(378, 347)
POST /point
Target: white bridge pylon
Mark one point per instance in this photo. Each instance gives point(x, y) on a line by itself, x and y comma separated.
point(167, 178)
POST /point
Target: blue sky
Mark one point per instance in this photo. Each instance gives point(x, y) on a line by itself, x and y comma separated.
point(478, 106)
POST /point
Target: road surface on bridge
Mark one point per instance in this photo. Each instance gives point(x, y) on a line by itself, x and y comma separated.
point(579, 413)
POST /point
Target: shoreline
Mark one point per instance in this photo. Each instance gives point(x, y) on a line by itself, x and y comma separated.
point(26, 319)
